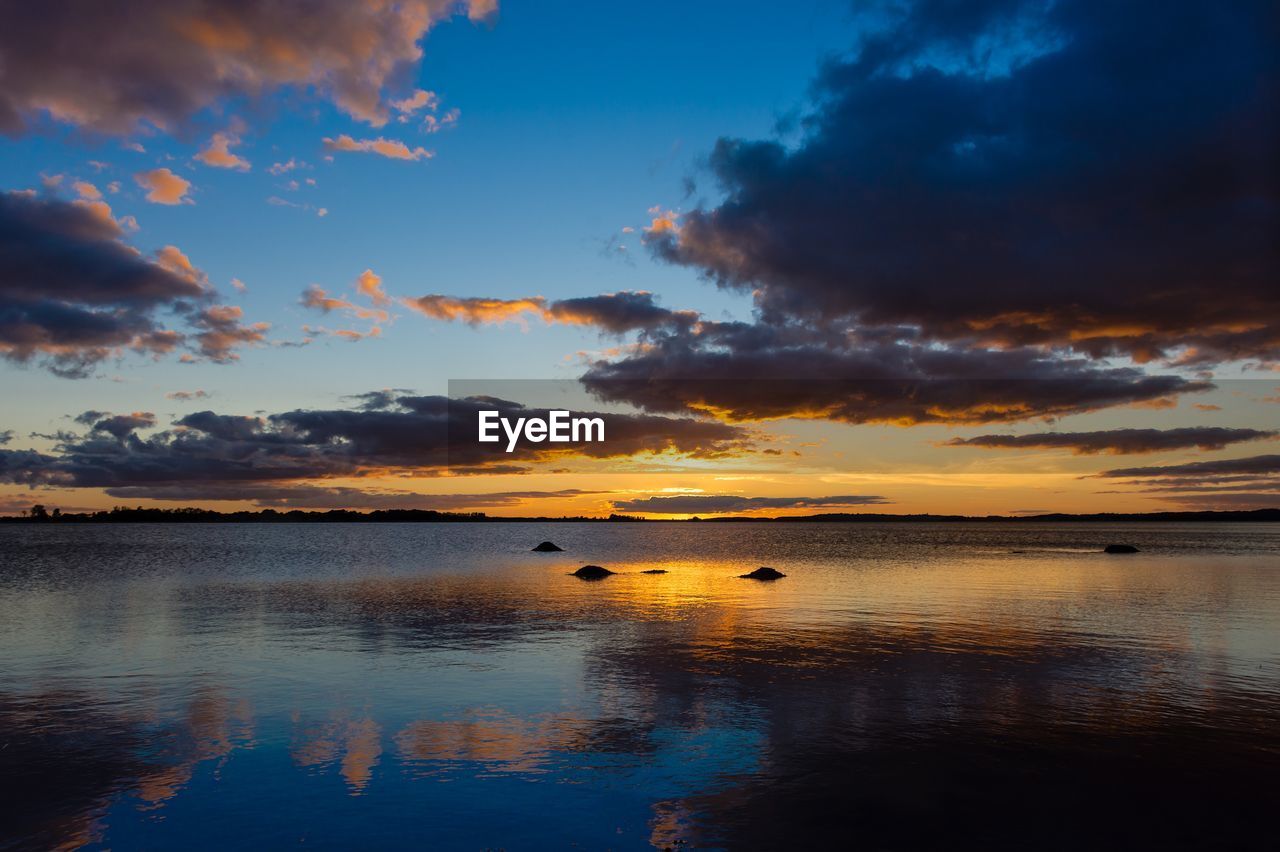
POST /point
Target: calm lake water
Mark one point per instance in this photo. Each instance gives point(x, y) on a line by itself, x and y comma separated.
point(439, 686)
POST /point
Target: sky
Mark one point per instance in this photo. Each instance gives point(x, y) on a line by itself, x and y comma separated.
point(998, 257)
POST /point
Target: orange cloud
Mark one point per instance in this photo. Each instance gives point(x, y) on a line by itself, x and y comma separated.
point(172, 259)
point(370, 284)
point(475, 311)
point(222, 331)
point(420, 99)
point(391, 148)
point(664, 222)
point(200, 55)
point(317, 297)
point(218, 152)
point(86, 190)
point(348, 334)
point(164, 187)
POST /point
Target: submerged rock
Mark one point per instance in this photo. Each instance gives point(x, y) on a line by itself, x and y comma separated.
point(547, 547)
point(763, 573)
point(592, 572)
point(1120, 548)
point(655, 571)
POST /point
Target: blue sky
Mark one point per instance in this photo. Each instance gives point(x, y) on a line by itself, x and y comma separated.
point(1038, 197)
point(573, 124)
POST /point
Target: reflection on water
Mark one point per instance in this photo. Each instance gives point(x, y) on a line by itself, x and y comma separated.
point(438, 685)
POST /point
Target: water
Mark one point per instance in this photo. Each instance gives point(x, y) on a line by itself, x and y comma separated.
point(439, 686)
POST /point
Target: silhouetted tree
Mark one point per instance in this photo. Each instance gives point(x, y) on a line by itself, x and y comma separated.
point(38, 513)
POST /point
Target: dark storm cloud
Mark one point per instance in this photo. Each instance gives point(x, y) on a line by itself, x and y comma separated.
point(1118, 441)
point(1206, 470)
point(423, 435)
point(1100, 176)
point(122, 426)
point(618, 312)
point(6, 435)
point(73, 293)
point(716, 504)
point(759, 371)
point(121, 66)
point(25, 467)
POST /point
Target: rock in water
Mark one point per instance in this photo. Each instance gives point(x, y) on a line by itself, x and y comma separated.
point(1120, 548)
point(547, 547)
point(763, 573)
point(655, 571)
point(592, 572)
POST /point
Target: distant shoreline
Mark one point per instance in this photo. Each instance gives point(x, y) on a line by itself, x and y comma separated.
point(272, 516)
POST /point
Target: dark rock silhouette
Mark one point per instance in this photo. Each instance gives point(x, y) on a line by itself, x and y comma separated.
point(547, 547)
point(592, 572)
point(1120, 548)
point(763, 573)
point(655, 571)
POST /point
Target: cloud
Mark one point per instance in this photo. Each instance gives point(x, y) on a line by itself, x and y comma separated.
point(316, 497)
point(742, 372)
point(1253, 465)
point(217, 153)
point(86, 190)
point(719, 504)
point(164, 187)
point(419, 100)
point(347, 334)
point(121, 426)
point(6, 435)
point(429, 102)
point(1098, 177)
point(1250, 482)
point(476, 310)
point(664, 225)
point(1221, 501)
point(219, 332)
point(73, 293)
point(277, 201)
point(317, 298)
point(285, 167)
point(616, 313)
point(1118, 441)
point(369, 285)
point(391, 148)
point(436, 123)
point(186, 396)
point(122, 68)
point(401, 434)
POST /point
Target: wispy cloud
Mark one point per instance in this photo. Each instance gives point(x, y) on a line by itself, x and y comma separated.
point(391, 148)
point(721, 504)
point(1118, 441)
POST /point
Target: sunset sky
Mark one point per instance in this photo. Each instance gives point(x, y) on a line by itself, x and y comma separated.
point(1001, 257)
